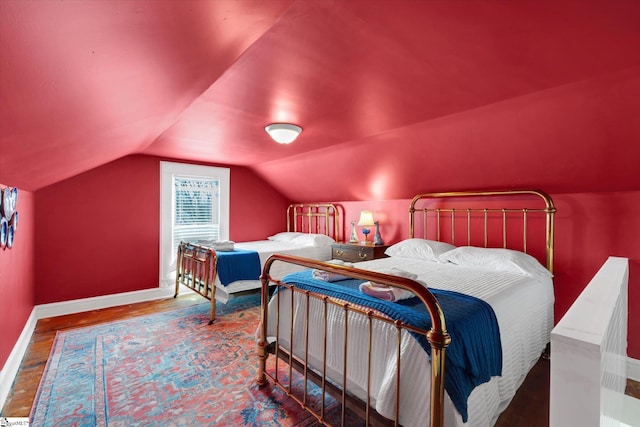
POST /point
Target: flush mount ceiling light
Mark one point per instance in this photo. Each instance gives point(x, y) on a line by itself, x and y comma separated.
point(283, 133)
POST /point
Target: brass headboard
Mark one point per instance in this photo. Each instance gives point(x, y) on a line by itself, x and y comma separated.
point(319, 218)
point(440, 210)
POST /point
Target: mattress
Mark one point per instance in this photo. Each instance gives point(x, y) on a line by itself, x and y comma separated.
point(265, 249)
point(524, 310)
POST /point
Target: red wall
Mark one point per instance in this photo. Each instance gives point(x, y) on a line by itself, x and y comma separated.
point(98, 232)
point(257, 210)
point(590, 227)
point(17, 279)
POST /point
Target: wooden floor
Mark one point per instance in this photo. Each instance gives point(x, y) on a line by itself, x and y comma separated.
point(529, 408)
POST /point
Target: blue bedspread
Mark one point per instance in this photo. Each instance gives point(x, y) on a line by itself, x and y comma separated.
point(475, 352)
point(239, 264)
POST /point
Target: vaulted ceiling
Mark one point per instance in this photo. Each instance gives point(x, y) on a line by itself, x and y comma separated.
point(394, 97)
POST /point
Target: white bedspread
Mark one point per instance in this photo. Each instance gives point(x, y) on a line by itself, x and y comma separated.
point(265, 249)
point(523, 307)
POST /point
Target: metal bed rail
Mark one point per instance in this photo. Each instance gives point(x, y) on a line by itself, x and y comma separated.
point(196, 268)
point(437, 337)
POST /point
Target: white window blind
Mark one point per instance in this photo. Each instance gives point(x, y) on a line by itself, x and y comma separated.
point(196, 210)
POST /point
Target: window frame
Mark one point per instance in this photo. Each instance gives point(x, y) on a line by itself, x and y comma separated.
point(167, 202)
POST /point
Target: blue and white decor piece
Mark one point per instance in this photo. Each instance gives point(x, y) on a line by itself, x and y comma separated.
point(8, 216)
point(377, 239)
point(354, 236)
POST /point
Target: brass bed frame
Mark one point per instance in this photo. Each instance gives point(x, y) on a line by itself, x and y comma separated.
point(196, 265)
point(433, 215)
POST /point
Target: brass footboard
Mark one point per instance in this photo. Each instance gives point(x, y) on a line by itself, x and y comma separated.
point(437, 337)
point(196, 269)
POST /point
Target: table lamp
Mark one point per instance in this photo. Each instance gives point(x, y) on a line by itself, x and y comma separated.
point(366, 221)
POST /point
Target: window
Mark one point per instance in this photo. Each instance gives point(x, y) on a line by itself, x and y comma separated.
point(194, 205)
point(196, 209)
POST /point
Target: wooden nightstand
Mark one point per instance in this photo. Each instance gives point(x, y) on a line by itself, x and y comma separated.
point(356, 252)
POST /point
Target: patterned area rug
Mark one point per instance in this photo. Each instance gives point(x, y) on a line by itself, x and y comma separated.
point(168, 369)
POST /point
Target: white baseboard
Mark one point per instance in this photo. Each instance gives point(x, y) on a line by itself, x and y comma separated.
point(87, 304)
point(42, 311)
point(633, 369)
point(12, 365)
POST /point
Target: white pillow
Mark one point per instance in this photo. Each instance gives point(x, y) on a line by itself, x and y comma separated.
point(285, 236)
point(313, 240)
point(498, 259)
point(428, 250)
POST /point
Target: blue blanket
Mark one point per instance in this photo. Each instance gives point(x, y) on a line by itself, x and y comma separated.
point(239, 264)
point(475, 352)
